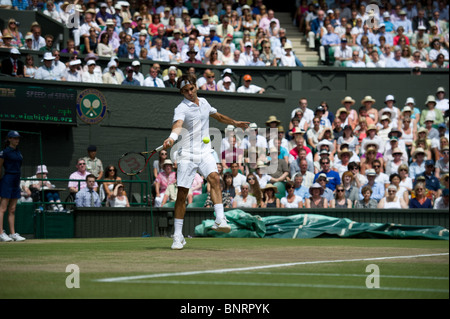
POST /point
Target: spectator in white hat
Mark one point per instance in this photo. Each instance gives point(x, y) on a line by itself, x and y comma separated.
point(90, 76)
point(227, 85)
point(247, 55)
point(37, 187)
point(378, 189)
point(420, 35)
point(28, 44)
point(48, 71)
point(441, 100)
point(12, 65)
point(390, 102)
point(288, 59)
point(137, 75)
point(226, 73)
point(431, 112)
point(112, 77)
point(73, 73)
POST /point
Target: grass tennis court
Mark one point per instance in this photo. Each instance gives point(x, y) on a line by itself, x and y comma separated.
point(210, 268)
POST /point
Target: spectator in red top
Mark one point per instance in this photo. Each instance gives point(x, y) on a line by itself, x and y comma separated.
point(299, 142)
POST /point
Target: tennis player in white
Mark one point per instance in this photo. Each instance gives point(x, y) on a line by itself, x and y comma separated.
point(191, 121)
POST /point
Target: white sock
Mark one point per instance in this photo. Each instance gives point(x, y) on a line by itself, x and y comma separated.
point(218, 208)
point(178, 226)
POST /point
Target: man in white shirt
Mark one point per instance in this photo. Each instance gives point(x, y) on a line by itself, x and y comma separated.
point(227, 73)
point(308, 114)
point(287, 59)
point(203, 29)
point(342, 53)
point(112, 76)
point(382, 32)
point(58, 64)
point(237, 60)
point(158, 53)
point(253, 139)
point(248, 87)
point(136, 74)
point(340, 29)
point(255, 61)
point(90, 76)
point(153, 80)
point(375, 61)
point(73, 74)
point(191, 120)
point(441, 101)
point(48, 71)
point(356, 61)
point(238, 178)
point(225, 28)
point(397, 61)
point(247, 55)
point(88, 24)
point(387, 53)
point(38, 41)
point(404, 22)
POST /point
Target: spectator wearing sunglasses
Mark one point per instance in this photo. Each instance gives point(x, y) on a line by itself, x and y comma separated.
point(442, 165)
point(332, 176)
point(75, 185)
point(420, 200)
point(416, 61)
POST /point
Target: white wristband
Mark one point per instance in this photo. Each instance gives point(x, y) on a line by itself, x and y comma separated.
point(173, 136)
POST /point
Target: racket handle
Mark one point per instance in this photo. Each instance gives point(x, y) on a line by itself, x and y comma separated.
point(159, 148)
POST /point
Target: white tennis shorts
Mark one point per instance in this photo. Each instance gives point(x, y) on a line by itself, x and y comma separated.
point(186, 170)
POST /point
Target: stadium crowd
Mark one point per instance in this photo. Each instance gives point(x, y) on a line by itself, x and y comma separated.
point(199, 32)
point(410, 34)
point(397, 157)
point(394, 34)
point(394, 157)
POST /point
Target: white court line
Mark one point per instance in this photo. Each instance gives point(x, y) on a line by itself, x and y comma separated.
point(338, 275)
point(283, 285)
point(226, 270)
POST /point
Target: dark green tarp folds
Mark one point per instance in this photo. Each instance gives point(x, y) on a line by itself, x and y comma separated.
point(314, 226)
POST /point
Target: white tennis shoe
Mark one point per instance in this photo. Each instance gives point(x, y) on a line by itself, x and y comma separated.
point(4, 237)
point(16, 237)
point(178, 242)
point(221, 226)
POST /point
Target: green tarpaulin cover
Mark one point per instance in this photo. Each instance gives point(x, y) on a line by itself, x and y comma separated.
point(313, 226)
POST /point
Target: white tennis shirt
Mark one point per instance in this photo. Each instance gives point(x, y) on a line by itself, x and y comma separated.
point(195, 126)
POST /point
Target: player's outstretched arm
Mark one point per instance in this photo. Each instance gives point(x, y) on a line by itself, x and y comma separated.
point(176, 130)
point(227, 120)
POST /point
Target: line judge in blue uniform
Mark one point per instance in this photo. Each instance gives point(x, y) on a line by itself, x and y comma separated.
point(10, 165)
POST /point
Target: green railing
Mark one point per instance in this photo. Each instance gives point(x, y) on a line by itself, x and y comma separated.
point(144, 190)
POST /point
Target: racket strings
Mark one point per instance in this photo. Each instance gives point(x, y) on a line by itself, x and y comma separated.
point(132, 163)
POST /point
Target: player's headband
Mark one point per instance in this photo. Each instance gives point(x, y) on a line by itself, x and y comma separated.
point(184, 83)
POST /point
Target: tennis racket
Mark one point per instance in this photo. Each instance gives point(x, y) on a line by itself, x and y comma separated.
point(133, 163)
